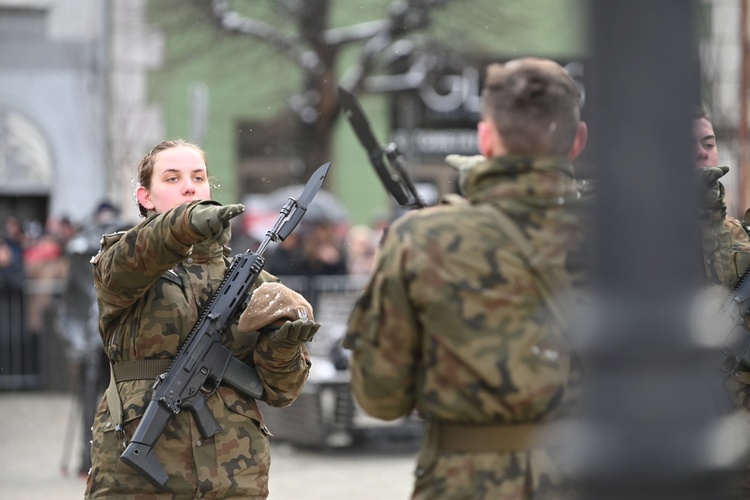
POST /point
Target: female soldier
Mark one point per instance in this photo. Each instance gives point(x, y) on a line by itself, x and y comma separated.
point(152, 283)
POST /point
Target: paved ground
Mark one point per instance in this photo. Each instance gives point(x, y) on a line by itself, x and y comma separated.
point(36, 449)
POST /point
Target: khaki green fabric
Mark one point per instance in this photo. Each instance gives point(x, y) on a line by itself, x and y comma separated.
point(452, 324)
point(726, 245)
point(726, 252)
point(152, 284)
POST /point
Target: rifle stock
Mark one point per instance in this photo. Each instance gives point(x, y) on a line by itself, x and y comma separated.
point(140, 454)
point(203, 362)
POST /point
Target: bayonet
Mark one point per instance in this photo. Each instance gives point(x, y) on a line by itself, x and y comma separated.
point(387, 161)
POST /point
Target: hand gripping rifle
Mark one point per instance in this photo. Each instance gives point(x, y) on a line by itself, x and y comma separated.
point(392, 174)
point(203, 362)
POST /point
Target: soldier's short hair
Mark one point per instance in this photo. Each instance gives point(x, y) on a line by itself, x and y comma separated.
point(534, 105)
point(699, 112)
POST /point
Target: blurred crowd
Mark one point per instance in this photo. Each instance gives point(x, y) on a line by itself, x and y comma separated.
point(317, 247)
point(49, 260)
point(45, 270)
point(37, 259)
point(47, 287)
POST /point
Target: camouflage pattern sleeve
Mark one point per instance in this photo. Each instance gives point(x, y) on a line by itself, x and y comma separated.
point(282, 370)
point(129, 263)
point(383, 335)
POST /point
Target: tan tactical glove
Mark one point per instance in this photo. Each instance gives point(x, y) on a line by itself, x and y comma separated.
point(293, 333)
point(212, 219)
point(463, 164)
point(713, 206)
point(274, 303)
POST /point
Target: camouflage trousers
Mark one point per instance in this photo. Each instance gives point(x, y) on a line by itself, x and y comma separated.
point(234, 463)
point(521, 475)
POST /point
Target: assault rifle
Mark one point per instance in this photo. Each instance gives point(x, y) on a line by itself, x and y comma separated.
point(392, 173)
point(203, 362)
point(731, 319)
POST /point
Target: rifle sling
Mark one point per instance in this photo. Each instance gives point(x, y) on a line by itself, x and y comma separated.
point(149, 369)
point(113, 400)
point(140, 369)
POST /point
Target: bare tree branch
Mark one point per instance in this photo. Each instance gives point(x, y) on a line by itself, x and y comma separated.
point(405, 17)
point(356, 32)
point(291, 7)
point(315, 48)
point(232, 22)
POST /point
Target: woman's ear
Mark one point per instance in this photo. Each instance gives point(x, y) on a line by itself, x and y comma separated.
point(144, 198)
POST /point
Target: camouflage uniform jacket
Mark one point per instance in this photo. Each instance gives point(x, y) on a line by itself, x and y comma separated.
point(726, 254)
point(452, 324)
point(726, 244)
point(152, 283)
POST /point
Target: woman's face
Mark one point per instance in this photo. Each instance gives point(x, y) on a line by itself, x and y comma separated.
point(179, 176)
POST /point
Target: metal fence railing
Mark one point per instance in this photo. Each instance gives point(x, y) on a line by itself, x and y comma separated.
point(332, 298)
point(325, 414)
point(33, 356)
point(29, 357)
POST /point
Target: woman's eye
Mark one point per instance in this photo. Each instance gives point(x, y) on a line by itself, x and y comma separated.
point(199, 179)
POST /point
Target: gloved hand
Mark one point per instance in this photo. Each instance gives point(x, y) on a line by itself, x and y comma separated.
point(463, 164)
point(709, 175)
point(712, 208)
point(293, 333)
point(212, 219)
point(708, 178)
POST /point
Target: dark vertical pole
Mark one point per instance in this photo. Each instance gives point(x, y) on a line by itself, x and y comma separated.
point(742, 132)
point(111, 175)
point(650, 398)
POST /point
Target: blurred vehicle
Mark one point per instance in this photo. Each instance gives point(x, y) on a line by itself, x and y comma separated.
point(326, 415)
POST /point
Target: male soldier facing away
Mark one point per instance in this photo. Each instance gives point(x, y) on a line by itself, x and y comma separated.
point(453, 322)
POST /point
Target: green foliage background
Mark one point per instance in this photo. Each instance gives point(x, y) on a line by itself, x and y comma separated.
point(250, 81)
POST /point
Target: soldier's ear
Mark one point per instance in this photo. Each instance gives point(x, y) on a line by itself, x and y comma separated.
point(144, 198)
point(579, 143)
point(490, 142)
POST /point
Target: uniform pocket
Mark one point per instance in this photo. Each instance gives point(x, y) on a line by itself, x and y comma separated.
point(106, 446)
point(241, 406)
point(109, 475)
point(242, 448)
